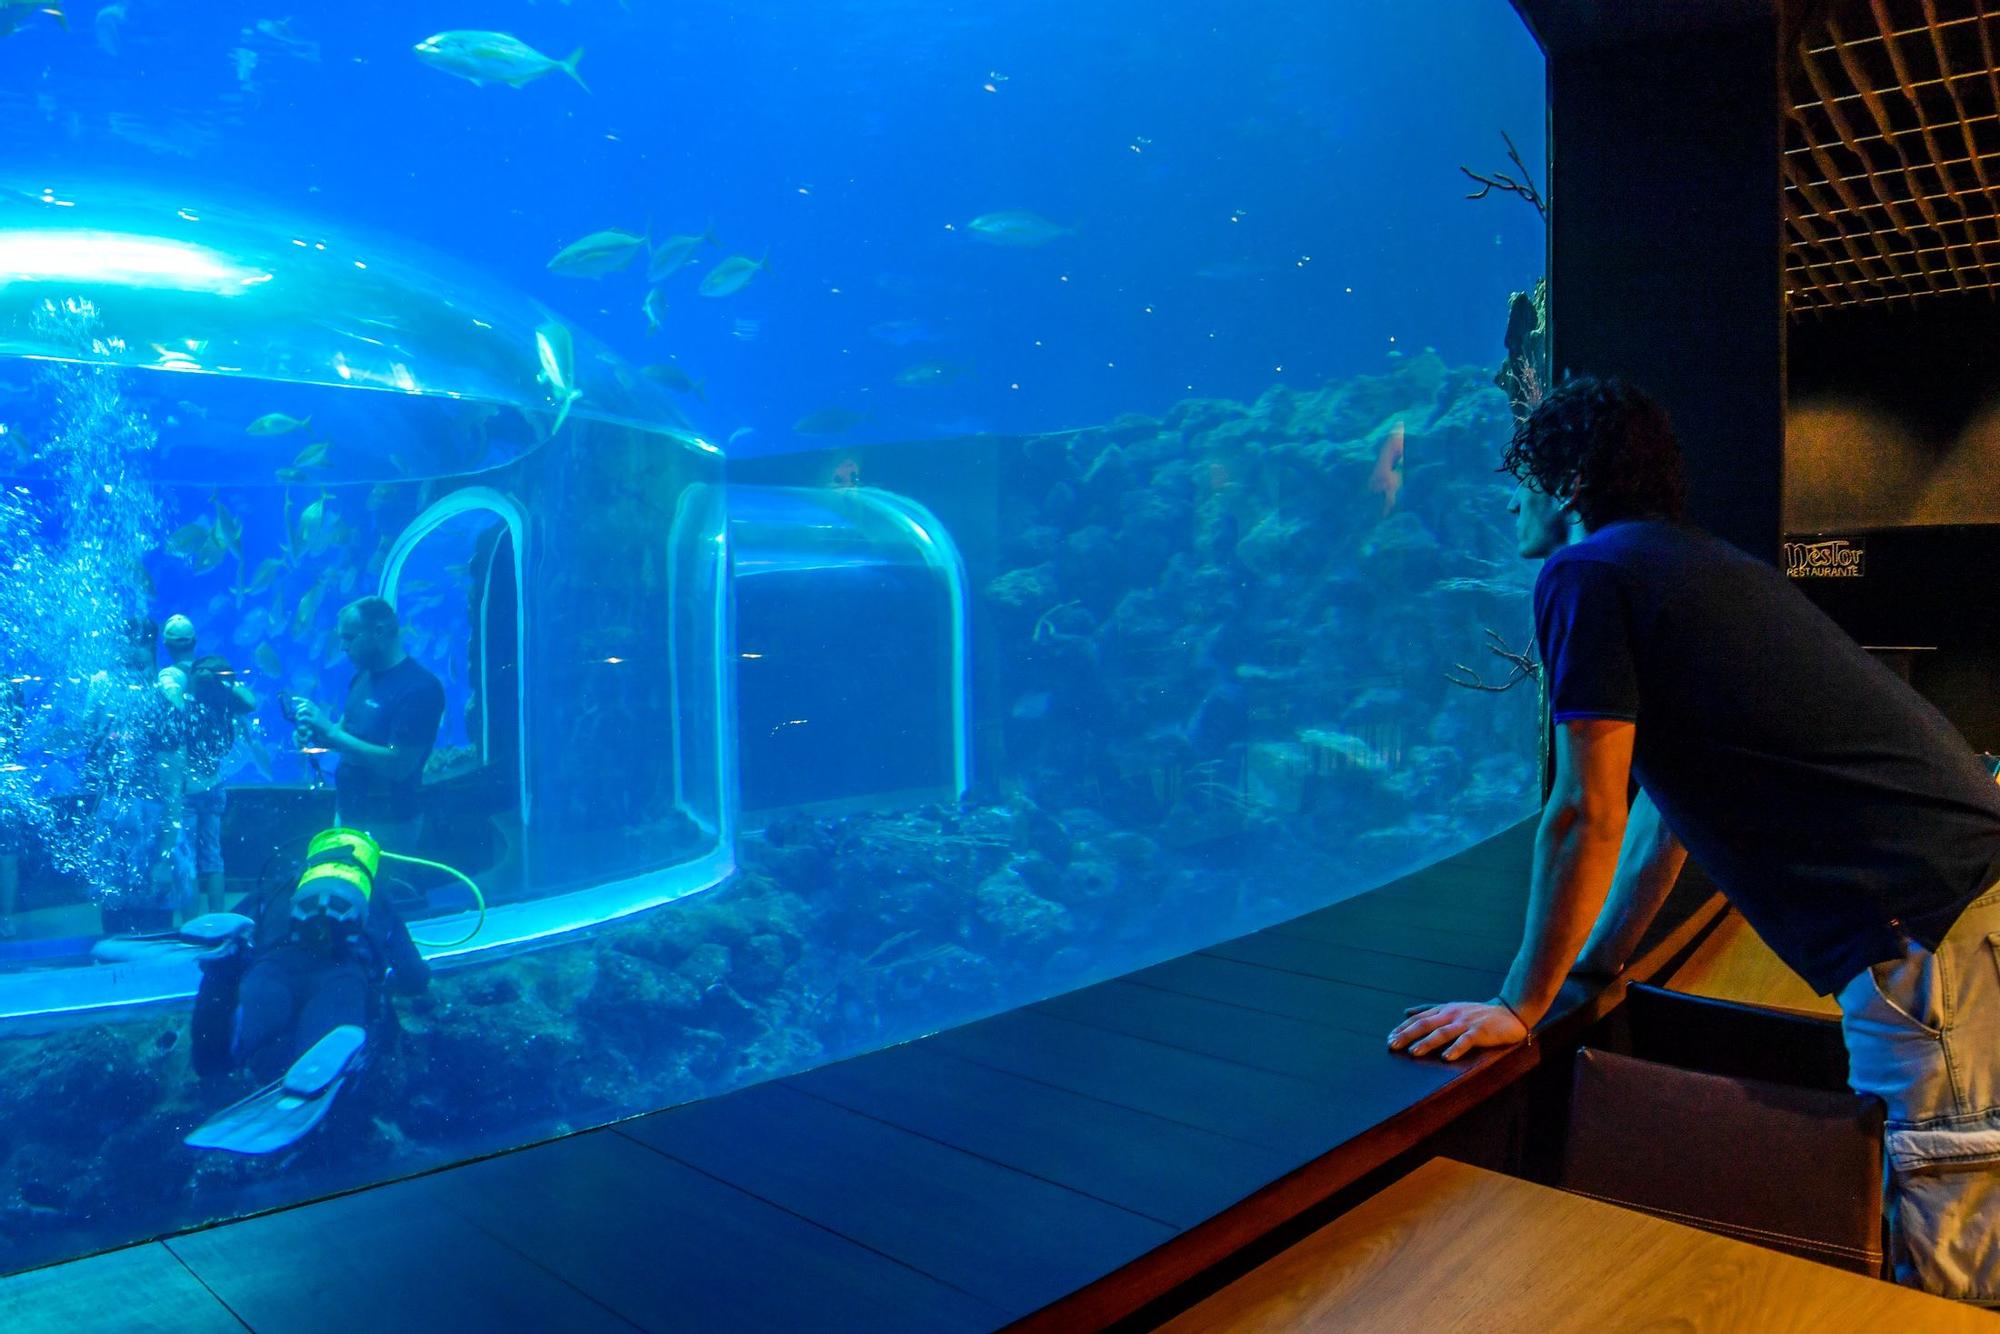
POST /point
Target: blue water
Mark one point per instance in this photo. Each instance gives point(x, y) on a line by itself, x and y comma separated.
point(1104, 607)
point(1291, 153)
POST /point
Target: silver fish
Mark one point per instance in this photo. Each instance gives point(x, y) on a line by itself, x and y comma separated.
point(597, 254)
point(493, 57)
point(277, 423)
point(208, 557)
point(308, 609)
point(930, 372)
point(189, 539)
point(733, 275)
point(312, 521)
point(557, 354)
point(228, 528)
point(670, 254)
point(269, 571)
point(1017, 227)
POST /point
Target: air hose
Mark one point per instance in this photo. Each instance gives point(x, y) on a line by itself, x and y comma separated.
point(462, 879)
point(351, 857)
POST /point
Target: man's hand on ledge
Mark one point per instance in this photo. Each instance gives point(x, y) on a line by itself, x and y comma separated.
point(1464, 1025)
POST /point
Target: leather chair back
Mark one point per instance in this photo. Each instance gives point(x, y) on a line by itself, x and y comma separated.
point(1795, 1169)
point(1730, 1038)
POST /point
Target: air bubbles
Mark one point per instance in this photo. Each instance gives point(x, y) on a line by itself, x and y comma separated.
point(75, 543)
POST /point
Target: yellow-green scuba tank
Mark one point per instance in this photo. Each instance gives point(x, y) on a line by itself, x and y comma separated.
point(329, 904)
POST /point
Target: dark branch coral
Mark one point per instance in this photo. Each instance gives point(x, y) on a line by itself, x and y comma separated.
point(1525, 187)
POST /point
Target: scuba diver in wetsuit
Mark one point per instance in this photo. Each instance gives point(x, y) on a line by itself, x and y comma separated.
point(303, 978)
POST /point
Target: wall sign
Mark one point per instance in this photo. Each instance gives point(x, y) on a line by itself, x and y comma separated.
point(1834, 558)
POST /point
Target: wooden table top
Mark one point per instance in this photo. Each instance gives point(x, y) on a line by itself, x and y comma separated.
point(1452, 1247)
point(1733, 964)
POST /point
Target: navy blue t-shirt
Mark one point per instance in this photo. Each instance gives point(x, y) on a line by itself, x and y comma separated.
point(399, 707)
point(1827, 799)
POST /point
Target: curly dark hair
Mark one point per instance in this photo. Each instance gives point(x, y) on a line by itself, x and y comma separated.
point(1612, 441)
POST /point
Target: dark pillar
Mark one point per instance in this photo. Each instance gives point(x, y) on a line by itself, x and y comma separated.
point(1665, 243)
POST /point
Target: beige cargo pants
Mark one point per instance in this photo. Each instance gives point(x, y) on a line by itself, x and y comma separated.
point(1923, 1034)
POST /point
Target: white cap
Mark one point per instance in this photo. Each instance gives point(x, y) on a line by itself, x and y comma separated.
point(178, 627)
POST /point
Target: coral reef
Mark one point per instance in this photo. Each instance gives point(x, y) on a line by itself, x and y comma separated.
point(1222, 631)
point(1524, 375)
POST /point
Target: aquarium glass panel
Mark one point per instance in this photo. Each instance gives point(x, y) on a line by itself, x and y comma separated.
point(556, 571)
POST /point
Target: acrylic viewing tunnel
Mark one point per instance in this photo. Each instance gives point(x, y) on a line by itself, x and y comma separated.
point(851, 612)
point(253, 422)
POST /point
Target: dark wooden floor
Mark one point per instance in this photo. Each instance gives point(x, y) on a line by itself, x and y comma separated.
point(954, 1183)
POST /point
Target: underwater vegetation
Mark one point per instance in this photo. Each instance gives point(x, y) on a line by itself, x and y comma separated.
point(1221, 656)
point(1214, 625)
